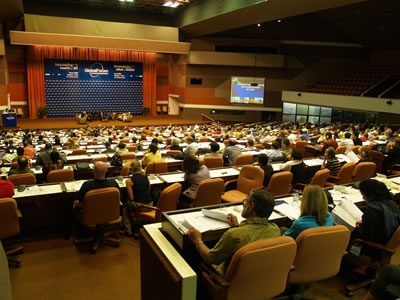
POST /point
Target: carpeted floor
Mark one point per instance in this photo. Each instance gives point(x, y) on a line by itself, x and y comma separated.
point(56, 269)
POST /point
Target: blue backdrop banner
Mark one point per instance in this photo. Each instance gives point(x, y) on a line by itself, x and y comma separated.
point(75, 86)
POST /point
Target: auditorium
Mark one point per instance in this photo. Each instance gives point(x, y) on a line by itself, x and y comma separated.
point(106, 82)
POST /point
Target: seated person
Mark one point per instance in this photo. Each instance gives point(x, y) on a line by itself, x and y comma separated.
point(29, 151)
point(364, 154)
point(175, 144)
point(286, 148)
point(331, 162)
point(275, 153)
point(56, 162)
point(347, 141)
point(374, 226)
point(121, 148)
point(152, 155)
point(6, 187)
point(44, 156)
point(231, 152)
point(138, 190)
point(99, 181)
point(296, 166)
point(22, 167)
point(263, 160)
point(257, 207)
point(313, 211)
point(194, 174)
point(249, 146)
point(214, 150)
point(108, 149)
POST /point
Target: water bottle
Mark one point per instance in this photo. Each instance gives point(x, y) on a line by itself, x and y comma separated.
point(296, 199)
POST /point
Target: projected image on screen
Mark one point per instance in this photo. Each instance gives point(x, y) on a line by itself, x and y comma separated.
point(248, 90)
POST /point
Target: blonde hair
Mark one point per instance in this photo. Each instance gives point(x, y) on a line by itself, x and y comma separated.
point(135, 167)
point(364, 151)
point(314, 203)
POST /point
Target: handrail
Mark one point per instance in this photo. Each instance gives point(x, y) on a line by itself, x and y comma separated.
point(211, 119)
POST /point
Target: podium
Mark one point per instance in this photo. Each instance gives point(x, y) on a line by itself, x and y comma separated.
point(9, 119)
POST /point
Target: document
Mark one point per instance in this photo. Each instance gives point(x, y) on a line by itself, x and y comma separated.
point(291, 211)
point(215, 215)
point(346, 213)
point(203, 223)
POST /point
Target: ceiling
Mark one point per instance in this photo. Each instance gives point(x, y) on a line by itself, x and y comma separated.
point(371, 23)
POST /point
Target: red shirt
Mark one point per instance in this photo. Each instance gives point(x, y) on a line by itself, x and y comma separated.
point(29, 152)
point(6, 189)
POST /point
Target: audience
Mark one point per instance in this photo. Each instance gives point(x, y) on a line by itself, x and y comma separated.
point(138, 190)
point(194, 174)
point(263, 160)
point(375, 226)
point(257, 208)
point(313, 211)
point(331, 162)
point(231, 152)
point(152, 155)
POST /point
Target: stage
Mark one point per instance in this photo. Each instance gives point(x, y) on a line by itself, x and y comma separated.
point(138, 121)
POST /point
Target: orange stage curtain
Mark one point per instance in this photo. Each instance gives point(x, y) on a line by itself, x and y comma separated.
point(35, 70)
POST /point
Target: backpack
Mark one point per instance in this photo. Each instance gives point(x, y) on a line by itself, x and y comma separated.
point(116, 161)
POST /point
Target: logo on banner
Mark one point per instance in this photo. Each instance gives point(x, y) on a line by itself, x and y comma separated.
point(96, 69)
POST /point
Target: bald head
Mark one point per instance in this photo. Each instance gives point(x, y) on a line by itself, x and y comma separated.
point(100, 169)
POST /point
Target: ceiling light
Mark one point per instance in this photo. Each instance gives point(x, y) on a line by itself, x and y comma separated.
point(175, 3)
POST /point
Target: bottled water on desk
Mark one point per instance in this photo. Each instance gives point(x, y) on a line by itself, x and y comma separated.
point(296, 199)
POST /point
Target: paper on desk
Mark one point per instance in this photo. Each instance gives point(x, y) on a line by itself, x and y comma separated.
point(73, 186)
point(290, 211)
point(203, 223)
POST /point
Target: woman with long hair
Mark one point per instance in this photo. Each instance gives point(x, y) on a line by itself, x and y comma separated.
point(313, 211)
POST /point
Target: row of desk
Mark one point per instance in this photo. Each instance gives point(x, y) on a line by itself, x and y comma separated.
point(168, 254)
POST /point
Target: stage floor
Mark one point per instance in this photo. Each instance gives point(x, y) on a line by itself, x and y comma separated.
point(138, 121)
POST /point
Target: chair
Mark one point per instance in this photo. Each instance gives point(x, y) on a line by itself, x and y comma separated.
point(204, 139)
point(61, 175)
point(364, 170)
point(26, 178)
point(355, 149)
point(78, 151)
point(9, 227)
point(320, 178)
point(156, 167)
point(243, 159)
point(92, 143)
point(132, 148)
point(258, 270)
point(173, 152)
point(280, 183)
point(341, 150)
point(319, 254)
point(390, 254)
point(344, 176)
point(208, 192)
point(394, 169)
point(128, 156)
point(168, 201)
point(301, 145)
point(250, 177)
point(101, 207)
point(213, 161)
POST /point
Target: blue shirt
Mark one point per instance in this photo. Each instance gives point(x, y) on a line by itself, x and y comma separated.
point(306, 222)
